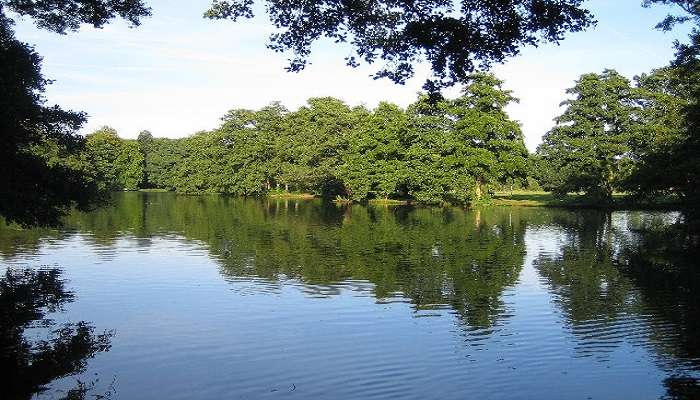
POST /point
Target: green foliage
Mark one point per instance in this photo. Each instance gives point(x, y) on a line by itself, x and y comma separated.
point(454, 37)
point(118, 163)
point(434, 152)
point(129, 164)
point(39, 182)
point(374, 164)
point(616, 136)
point(662, 95)
point(61, 16)
point(678, 155)
point(589, 146)
point(42, 172)
point(102, 148)
point(684, 156)
point(461, 146)
point(317, 135)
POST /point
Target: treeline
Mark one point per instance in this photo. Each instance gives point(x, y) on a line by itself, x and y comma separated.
point(615, 135)
point(638, 137)
point(436, 150)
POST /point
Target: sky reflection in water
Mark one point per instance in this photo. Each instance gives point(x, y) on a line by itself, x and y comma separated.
point(214, 297)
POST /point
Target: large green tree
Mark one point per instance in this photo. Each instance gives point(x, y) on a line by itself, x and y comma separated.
point(318, 135)
point(489, 145)
point(460, 146)
point(589, 146)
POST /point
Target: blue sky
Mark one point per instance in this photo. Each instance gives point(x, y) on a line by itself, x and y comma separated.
point(179, 73)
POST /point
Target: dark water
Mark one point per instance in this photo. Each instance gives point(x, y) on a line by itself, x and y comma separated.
point(174, 297)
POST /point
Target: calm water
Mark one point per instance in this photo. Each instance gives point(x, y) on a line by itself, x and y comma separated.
point(221, 298)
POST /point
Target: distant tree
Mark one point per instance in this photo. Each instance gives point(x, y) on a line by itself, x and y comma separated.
point(163, 159)
point(249, 152)
point(253, 153)
point(145, 144)
point(317, 136)
point(118, 162)
point(374, 164)
point(490, 146)
point(589, 146)
point(204, 165)
point(129, 165)
point(454, 37)
point(103, 146)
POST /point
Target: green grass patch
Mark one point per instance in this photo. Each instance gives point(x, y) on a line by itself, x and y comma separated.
point(575, 200)
point(391, 202)
point(291, 195)
point(154, 190)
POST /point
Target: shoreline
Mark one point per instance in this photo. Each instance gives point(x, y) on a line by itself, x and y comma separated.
point(499, 199)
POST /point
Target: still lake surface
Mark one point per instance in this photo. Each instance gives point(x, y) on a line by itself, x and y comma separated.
point(212, 297)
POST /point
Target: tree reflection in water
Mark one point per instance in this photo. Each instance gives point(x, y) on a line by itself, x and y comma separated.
point(26, 297)
point(633, 280)
point(682, 388)
point(620, 280)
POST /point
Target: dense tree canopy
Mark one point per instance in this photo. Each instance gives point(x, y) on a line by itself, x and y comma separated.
point(623, 136)
point(589, 143)
point(450, 150)
point(66, 15)
point(454, 37)
point(662, 98)
point(614, 135)
point(643, 138)
point(679, 157)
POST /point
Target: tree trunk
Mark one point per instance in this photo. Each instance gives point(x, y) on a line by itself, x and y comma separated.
point(478, 188)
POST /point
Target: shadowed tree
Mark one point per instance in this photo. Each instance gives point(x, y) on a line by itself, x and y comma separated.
point(684, 156)
point(41, 174)
point(454, 37)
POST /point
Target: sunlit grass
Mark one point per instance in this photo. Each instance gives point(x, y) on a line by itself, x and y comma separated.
point(526, 198)
point(290, 195)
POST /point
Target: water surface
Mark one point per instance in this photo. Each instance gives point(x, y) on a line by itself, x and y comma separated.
point(212, 297)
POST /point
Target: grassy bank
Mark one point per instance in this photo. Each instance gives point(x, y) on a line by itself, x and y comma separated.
point(518, 198)
point(291, 195)
point(575, 200)
point(389, 202)
point(154, 190)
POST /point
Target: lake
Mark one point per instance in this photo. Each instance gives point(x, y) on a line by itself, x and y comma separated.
point(161, 296)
